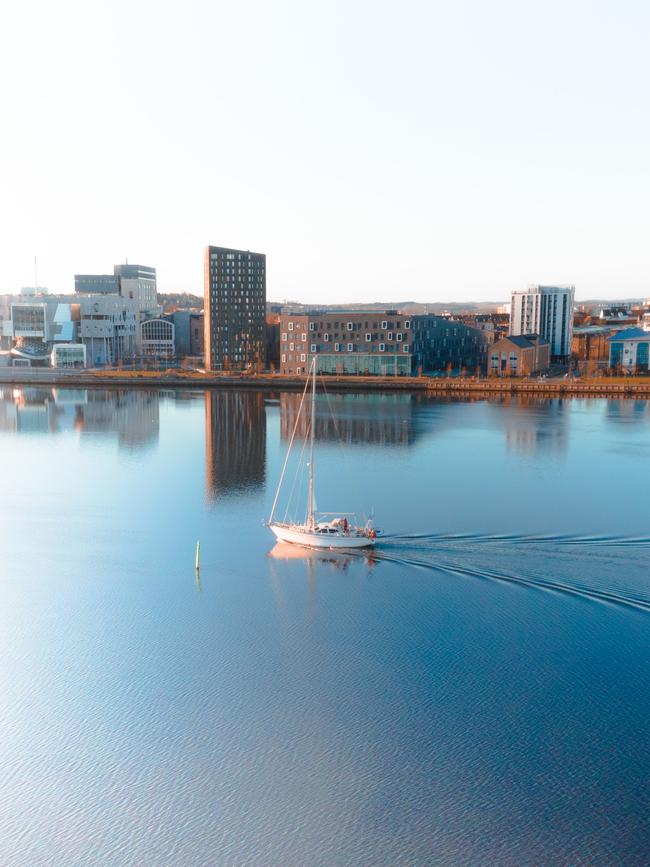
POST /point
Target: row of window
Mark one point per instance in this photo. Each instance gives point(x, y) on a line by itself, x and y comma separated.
point(350, 326)
point(338, 347)
point(369, 338)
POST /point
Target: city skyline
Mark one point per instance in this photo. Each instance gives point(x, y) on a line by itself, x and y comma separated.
point(428, 151)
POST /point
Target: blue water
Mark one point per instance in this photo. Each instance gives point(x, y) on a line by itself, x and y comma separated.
point(475, 692)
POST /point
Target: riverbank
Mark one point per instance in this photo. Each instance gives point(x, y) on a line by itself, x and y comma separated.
point(609, 386)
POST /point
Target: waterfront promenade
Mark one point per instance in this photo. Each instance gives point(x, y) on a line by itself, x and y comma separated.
point(602, 386)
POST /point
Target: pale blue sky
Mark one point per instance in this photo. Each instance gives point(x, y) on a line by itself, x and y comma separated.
point(373, 150)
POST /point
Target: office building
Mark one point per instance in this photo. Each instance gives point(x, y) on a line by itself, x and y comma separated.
point(546, 311)
point(138, 283)
point(591, 342)
point(101, 284)
point(33, 327)
point(188, 333)
point(107, 328)
point(134, 283)
point(447, 344)
point(234, 309)
point(629, 350)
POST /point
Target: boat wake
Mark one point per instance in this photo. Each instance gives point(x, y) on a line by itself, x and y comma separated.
point(518, 539)
point(612, 597)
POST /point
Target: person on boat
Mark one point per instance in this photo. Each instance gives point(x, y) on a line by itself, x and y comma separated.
point(344, 525)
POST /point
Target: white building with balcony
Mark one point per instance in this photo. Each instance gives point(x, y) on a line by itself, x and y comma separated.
point(546, 311)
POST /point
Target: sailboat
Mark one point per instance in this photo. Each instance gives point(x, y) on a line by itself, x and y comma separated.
point(325, 529)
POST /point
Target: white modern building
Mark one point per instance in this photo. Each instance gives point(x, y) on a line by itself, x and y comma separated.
point(68, 330)
point(546, 311)
point(107, 328)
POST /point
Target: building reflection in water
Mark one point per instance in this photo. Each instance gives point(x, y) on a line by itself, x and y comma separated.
point(235, 442)
point(353, 419)
point(533, 423)
point(627, 411)
point(129, 415)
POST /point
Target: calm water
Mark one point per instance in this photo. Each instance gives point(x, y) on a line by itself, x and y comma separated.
point(477, 692)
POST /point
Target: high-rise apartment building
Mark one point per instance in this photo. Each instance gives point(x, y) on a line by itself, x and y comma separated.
point(546, 311)
point(234, 308)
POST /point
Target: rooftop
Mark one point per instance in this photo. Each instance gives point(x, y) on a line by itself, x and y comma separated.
point(524, 341)
point(631, 334)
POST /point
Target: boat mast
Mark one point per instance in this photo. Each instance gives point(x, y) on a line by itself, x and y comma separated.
point(310, 513)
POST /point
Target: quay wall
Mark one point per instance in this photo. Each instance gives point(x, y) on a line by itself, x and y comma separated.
point(605, 387)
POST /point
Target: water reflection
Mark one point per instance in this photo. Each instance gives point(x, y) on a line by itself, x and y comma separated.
point(132, 416)
point(353, 419)
point(235, 442)
point(533, 423)
point(235, 422)
point(630, 411)
point(339, 560)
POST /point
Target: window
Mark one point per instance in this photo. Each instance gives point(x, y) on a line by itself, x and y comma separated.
point(313, 347)
point(291, 347)
point(284, 336)
point(350, 326)
point(304, 336)
point(389, 336)
point(337, 347)
point(284, 358)
point(291, 326)
point(302, 357)
point(350, 347)
point(382, 347)
point(384, 326)
point(326, 337)
point(399, 336)
point(407, 325)
point(368, 337)
point(405, 347)
point(312, 326)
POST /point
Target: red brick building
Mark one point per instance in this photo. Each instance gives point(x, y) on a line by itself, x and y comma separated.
point(346, 342)
point(519, 355)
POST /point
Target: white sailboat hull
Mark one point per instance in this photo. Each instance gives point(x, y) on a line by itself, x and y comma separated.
point(298, 536)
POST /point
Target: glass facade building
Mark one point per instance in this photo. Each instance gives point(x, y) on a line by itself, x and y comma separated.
point(440, 344)
point(90, 284)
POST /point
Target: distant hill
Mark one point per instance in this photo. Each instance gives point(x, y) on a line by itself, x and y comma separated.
point(434, 307)
point(180, 300)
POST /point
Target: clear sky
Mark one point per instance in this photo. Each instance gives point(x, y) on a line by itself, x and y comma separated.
point(373, 150)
